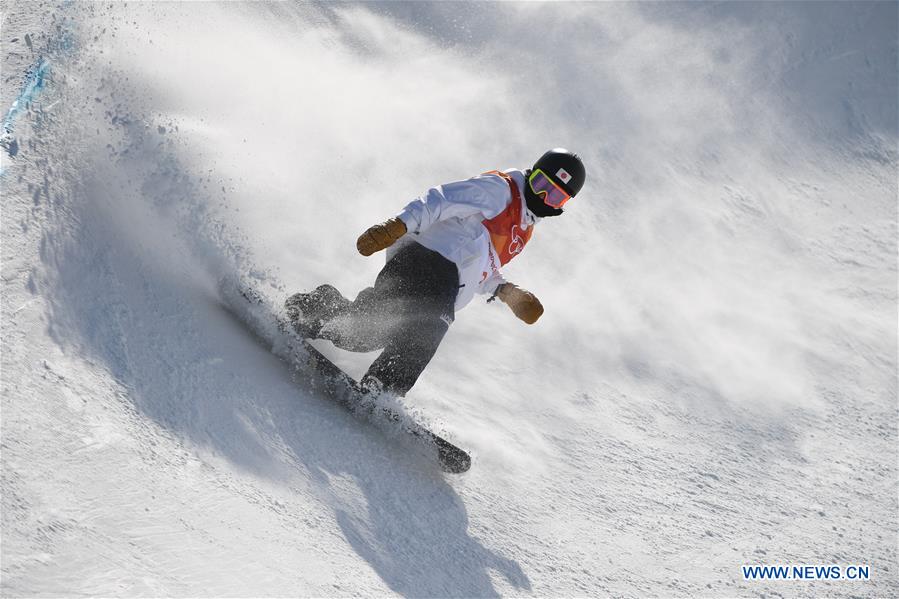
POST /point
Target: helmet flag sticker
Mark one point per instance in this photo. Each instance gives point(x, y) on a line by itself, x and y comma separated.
point(563, 175)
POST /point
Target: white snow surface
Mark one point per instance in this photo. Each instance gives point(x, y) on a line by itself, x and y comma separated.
point(713, 382)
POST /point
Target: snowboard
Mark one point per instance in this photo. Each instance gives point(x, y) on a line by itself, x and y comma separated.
point(328, 378)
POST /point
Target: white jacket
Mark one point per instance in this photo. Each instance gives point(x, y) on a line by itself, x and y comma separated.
point(448, 220)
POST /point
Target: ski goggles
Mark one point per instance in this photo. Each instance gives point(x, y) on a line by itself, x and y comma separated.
point(553, 195)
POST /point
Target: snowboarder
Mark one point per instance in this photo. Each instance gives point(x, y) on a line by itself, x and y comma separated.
point(441, 249)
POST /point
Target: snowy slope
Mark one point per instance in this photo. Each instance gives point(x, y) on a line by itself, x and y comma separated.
point(713, 383)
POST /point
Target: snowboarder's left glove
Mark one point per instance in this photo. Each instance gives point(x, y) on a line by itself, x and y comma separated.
point(524, 304)
point(380, 236)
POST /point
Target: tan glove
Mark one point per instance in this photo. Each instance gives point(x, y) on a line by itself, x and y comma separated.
point(380, 236)
point(524, 304)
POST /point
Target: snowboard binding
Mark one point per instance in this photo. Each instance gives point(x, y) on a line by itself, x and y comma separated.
point(309, 312)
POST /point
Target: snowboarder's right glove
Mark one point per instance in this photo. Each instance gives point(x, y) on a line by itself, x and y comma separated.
point(380, 236)
point(524, 304)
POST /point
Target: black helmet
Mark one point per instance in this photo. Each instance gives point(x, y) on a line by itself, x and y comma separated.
point(562, 167)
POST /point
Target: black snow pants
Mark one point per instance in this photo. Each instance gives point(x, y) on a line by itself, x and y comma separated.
point(407, 312)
